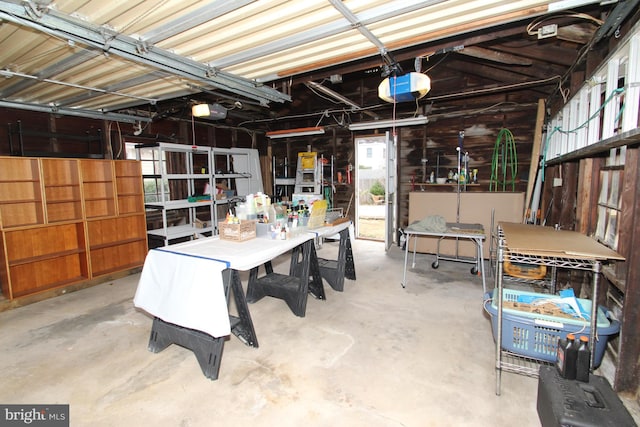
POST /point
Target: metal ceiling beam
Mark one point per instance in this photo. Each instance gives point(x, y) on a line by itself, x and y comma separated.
point(357, 24)
point(77, 112)
point(335, 95)
point(6, 73)
point(108, 41)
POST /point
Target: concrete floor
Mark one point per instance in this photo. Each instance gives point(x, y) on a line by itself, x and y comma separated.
point(374, 355)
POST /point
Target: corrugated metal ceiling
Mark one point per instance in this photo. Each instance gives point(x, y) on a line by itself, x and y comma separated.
point(96, 57)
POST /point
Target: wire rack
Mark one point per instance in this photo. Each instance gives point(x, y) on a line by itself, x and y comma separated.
point(507, 361)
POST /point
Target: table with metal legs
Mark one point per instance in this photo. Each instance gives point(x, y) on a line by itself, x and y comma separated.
point(472, 232)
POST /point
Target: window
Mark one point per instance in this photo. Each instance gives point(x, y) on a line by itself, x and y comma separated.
point(151, 170)
point(611, 181)
point(369, 152)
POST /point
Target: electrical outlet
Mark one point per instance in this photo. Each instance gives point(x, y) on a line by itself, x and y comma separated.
point(550, 30)
point(557, 182)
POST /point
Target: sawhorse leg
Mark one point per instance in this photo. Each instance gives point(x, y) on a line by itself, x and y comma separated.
point(241, 325)
point(206, 348)
point(316, 287)
point(336, 271)
point(292, 288)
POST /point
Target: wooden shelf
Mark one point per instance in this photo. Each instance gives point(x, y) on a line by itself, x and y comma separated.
point(20, 192)
point(98, 188)
point(63, 201)
point(42, 257)
point(447, 184)
point(115, 243)
point(46, 257)
point(129, 187)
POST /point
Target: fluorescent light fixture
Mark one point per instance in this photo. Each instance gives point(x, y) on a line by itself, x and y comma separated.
point(381, 124)
point(209, 111)
point(568, 4)
point(286, 133)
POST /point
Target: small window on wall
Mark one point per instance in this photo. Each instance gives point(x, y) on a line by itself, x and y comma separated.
point(608, 215)
point(151, 170)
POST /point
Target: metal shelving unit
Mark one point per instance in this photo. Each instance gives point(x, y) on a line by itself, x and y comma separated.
point(171, 172)
point(179, 175)
point(508, 361)
point(239, 169)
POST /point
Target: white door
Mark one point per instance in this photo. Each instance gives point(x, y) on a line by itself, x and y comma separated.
point(390, 194)
point(371, 174)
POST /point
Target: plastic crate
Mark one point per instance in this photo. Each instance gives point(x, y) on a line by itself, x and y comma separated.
point(536, 335)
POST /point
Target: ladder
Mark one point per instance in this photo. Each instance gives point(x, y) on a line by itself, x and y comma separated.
point(308, 174)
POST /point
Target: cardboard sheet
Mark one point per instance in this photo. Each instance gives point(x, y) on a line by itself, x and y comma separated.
point(536, 240)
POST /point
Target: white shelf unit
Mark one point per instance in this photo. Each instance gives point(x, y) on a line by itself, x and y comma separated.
point(239, 169)
point(172, 175)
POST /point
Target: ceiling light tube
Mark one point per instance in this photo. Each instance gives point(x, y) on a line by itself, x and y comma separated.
point(381, 124)
point(286, 133)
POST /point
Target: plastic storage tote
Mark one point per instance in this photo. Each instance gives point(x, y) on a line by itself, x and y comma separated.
point(536, 335)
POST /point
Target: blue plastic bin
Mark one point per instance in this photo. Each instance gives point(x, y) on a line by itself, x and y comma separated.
point(536, 335)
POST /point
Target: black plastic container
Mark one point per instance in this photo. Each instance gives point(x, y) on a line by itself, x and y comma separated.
point(567, 355)
point(583, 360)
point(571, 403)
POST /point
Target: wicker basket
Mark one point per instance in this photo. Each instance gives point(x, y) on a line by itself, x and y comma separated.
point(246, 230)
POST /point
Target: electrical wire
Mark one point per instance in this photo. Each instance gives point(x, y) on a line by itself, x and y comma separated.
point(532, 27)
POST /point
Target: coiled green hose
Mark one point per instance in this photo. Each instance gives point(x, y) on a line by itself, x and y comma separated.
point(505, 151)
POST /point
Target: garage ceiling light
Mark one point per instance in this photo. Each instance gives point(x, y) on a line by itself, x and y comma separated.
point(286, 133)
point(381, 124)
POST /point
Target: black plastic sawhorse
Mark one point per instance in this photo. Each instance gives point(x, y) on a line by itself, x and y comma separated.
point(207, 348)
point(303, 278)
point(335, 271)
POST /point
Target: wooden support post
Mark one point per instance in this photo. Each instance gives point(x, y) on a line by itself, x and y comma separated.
point(535, 156)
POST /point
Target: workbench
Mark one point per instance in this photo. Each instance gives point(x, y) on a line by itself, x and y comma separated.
point(472, 232)
point(186, 287)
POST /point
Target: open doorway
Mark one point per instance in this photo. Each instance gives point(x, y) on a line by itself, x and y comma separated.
point(371, 165)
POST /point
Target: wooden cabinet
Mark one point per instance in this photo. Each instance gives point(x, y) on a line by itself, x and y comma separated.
point(65, 221)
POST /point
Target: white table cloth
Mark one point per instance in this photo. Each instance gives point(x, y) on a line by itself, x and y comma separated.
point(182, 283)
point(184, 290)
